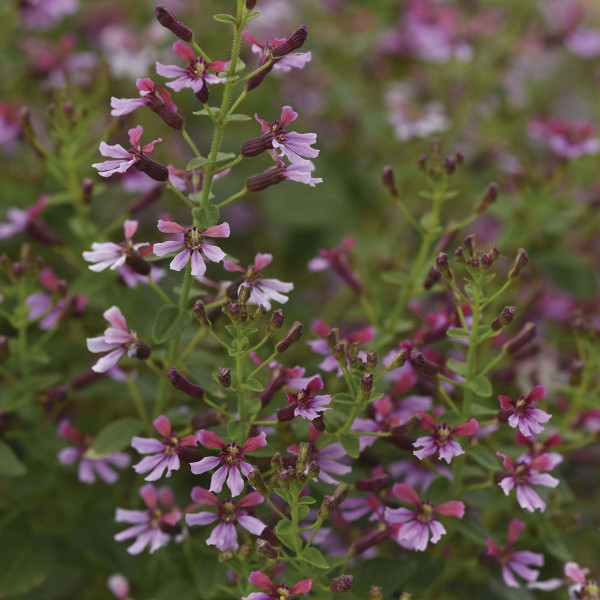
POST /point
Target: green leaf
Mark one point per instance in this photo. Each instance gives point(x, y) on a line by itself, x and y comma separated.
point(254, 385)
point(306, 500)
point(169, 323)
point(223, 18)
point(285, 527)
point(10, 465)
point(350, 444)
point(213, 109)
point(238, 117)
point(395, 278)
point(302, 511)
point(481, 386)
point(223, 156)
point(314, 557)
point(456, 366)
point(116, 436)
point(237, 430)
point(481, 455)
point(206, 217)
point(344, 398)
point(253, 15)
point(450, 195)
point(471, 289)
point(199, 161)
point(457, 332)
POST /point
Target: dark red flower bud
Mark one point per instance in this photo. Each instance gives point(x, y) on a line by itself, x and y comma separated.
point(250, 4)
point(257, 146)
point(489, 197)
point(450, 165)
point(432, 278)
point(459, 255)
point(293, 335)
point(189, 455)
point(262, 181)
point(224, 376)
point(270, 536)
point(504, 318)
point(521, 339)
point(366, 385)
point(168, 115)
point(257, 482)
point(180, 382)
point(202, 95)
point(443, 266)
point(313, 468)
point(266, 550)
point(135, 262)
point(276, 462)
point(292, 43)
point(469, 243)
point(372, 360)
point(423, 366)
point(200, 313)
point(375, 484)
point(341, 584)
point(368, 541)
point(387, 177)
point(520, 263)
point(39, 231)
point(286, 414)
point(319, 423)
point(141, 351)
point(168, 20)
point(257, 79)
point(153, 169)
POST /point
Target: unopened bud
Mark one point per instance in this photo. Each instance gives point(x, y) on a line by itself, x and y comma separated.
point(520, 263)
point(207, 419)
point(423, 366)
point(432, 278)
point(376, 593)
point(180, 382)
point(422, 162)
point(339, 352)
point(87, 186)
point(285, 477)
point(39, 231)
point(387, 177)
point(260, 312)
point(257, 79)
point(521, 339)
point(276, 320)
point(313, 469)
point(266, 550)
point(487, 260)
point(244, 293)
point(292, 43)
point(276, 462)
point(341, 584)
point(398, 360)
point(270, 536)
point(286, 413)
point(450, 165)
point(332, 338)
point(136, 263)
point(293, 335)
point(272, 176)
point(327, 507)
point(168, 115)
point(504, 318)
point(459, 255)
point(250, 4)
point(495, 253)
point(257, 482)
point(140, 351)
point(489, 197)
point(200, 313)
point(168, 20)
point(366, 385)
point(443, 266)
point(257, 146)
point(203, 94)
point(153, 169)
point(304, 452)
point(372, 360)
point(224, 377)
point(368, 541)
point(319, 423)
point(375, 484)
point(469, 243)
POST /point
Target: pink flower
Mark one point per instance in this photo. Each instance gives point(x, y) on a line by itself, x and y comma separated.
point(519, 562)
point(119, 586)
point(152, 95)
point(537, 447)
point(231, 460)
point(117, 340)
point(195, 75)
point(263, 290)
point(27, 221)
point(154, 526)
point(165, 454)
point(441, 440)
point(88, 467)
point(298, 60)
point(193, 243)
point(524, 473)
point(224, 536)
point(305, 404)
point(136, 155)
point(43, 14)
point(275, 592)
point(338, 259)
point(522, 414)
point(566, 140)
point(419, 523)
point(302, 173)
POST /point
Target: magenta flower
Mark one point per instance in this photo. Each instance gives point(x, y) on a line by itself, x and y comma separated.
point(304, 403)
point(27, 221)
point(117, 340)
point(419, 523)
point(224, 536)
point(43, 14)
point(297, 60)
point(119, 586)
point(565, 140)
point(193, 243)
point(165, 454)
point(195, 75)
point(88, 467)
point(152, 95)
point(262, 290)
point(231, 460)
point(522, 414)
point(136, 155)
point(275, 592)
point(519, 562)
point(153, 526)
point(524, 473)
point(338, 259)
point(440, 440)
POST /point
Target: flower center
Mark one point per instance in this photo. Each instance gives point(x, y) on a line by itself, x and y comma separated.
point(228, 512)
point(252, 277)
point(303, 398)
point(425, 512)
point(193, 239)
point(282, 592)
point(232, 454)
point(443, 434)
point(155, 518)
point(196, 69)
point(521, 474)
point(591, 591)
point(171, 445)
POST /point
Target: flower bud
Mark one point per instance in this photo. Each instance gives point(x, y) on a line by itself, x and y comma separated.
point(372, 360)
point(423, 366)
point(339, 352)
point(244, 293)
point(200, 313)
point(459, 255)
point(257, 482)
point(224, 377)
point(250, 4)
point(87, 186)
point(135, 262)
point(450, 165)
point(520, 263)
point(366, 385)
point(489, 197)
point(266, 550)
point(168, 20)
point(257, 146)
point(387, 177)
point(168, 115)
point(422, 162)
point(182, 383)
point(469, 243)
point(292, 43)
point(443, 266)
point(287, 413)
point(153, 169)
point(368, 541)
point(202, 95)
point(40, 232)
point(319, 423)
point(260, 312)
point(270, 536)
point(272, 176)
point(285, 477)
point(327, 507)
point(276, 320)
point(521, 339)
point(313, 469)
point(341, 584)
point(304, 452)
point(487, 260)
point(432, 278)
point(332, 338)
point(257, 79)
point(376, 593)
point(504, 318)
point(140, 351)
point(375, 484)
point(207, 419)
point(293, 335)
point(398, 360)
point(276, 462)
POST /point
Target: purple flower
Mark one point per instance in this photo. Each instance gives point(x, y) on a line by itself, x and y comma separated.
point(119, 586)
point(297, 60)
point(440, 440)
point(520, 561)
point(195, 75)
point(263, 290)
point(43, 14)
point(136, 155)
point(153, 526)
point(419, 523)
point(276, 592)
point(338, 259)
point(524, 473)
point(117, 340)
point(521, 413)
point(224, 536)
point(165, 454)
point(584, 41)
point(193, 243)
point(304, 403)
point(27, 220)
point(231, 460)
point(565, 140)
point(88, 467)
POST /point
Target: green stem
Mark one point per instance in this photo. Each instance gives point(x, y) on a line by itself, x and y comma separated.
point(316, 526)
point(180, 195)
point(273, 507)
point(200, 51)
point(472, 352)
point(493, 297)
point(139, 405)
point(494, 362)
point(190, 142)
point(192, 344)
point(250, 75)
point(444, 394)
point(234, 162)
point(263, 364)
point(155, 287)
point(241, 193)
point(237, 102)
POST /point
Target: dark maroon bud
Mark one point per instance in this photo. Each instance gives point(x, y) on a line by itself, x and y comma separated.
point(169, 116)
point(450, 165)
point(341, 584)
point(387, 177)
point(313, 469)
point(503, 415)
point(200, 313)
point(459, 255)
point(432, 278)
point(500, 476)
point(270, 536)
point(170, 529)
point(168, 20)
point(250, 4)
point(266, 550)
point(469, 243)
point(372, 360)
point(148, 198)
point(180, 382)
point(40, 263)
point(411, 424)
point(319, 423)
point(443, 266)
point(207, 419)
point(366, 385)
point(285, 477)
point(56, 394)
point(376, 593)
point(422, 162)
point(61, 287)
point(489, 197)
point(473, 262)
point(292, 43)
point(504, 318)
point(293, 335)
point(339, 352)
point(260, 312)
point(257, 482)
point(277, 319)
point(137, 263)
point(520, 263)
point(423, 366)
point(328, 505)
point(332, 338)
point(521, 339)
point(189, 455)
point(375, 484)
point(202, 95)
point(276, 462)
point(257, 146)
point(495, 253)
point(262, 181)
point(39, 231)
point(224, 377)
point(257, 79)
point(368, 541)
point(286, 413)
point(153, 169)
point(87, 186)
point(19, 269)
point(487, 260)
